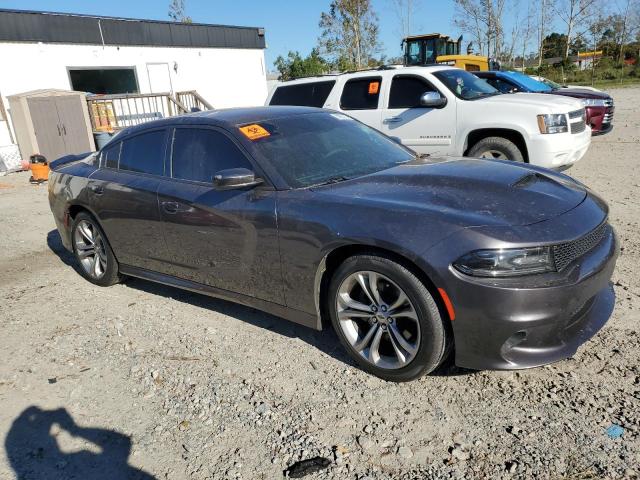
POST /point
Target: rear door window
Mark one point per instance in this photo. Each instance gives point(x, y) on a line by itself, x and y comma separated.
point(144, 153)
point(313, 94)
point(199, 153)
point(406, 91)
point(361, 94)
point(111, 155)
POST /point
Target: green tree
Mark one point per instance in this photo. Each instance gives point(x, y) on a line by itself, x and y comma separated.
point(294, 66)
point(350, 33)
point(554, 45)
point(177, 11)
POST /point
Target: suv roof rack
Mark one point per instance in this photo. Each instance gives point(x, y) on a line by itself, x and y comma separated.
point(336, 74)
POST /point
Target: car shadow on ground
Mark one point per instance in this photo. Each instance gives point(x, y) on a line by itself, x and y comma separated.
point(33, 449)
point(325, 340)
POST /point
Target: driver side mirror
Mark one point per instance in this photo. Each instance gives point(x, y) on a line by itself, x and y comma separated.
point(432, 100)
point(235, 178)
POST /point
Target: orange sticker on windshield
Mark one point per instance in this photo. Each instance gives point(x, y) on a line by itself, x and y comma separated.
point(374, 88)
point(254, 132)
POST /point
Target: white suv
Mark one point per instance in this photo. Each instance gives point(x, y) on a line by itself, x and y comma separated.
point(441, 110)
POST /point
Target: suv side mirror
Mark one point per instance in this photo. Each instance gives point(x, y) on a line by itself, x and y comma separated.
point(432, 100)
point(235, 178)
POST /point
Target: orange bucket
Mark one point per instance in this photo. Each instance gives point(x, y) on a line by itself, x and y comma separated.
point(39, 171)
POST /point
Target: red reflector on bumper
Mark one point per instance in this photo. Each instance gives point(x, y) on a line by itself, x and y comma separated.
point(448, 304)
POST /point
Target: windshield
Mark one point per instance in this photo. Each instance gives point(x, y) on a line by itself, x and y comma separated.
point(464, 84)
point(551, 83)
point(529, 84)
point(319, 148)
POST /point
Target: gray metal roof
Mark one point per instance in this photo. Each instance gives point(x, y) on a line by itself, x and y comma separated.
point(48, 27)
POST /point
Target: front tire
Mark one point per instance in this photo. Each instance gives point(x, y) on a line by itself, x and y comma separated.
point(386, 318)
point(96, 260)
point(497, 148)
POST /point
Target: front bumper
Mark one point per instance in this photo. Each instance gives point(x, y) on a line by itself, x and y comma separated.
point(558, 151)
point(521, 328)
point(600, 119)
point(526, 322)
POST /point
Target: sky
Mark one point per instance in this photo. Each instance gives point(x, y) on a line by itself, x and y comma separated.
point(289, 24)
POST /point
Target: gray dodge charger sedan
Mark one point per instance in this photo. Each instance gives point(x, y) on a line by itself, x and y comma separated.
point(312, 216)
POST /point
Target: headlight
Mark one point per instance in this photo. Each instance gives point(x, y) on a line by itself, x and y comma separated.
point(506, 262)
point(593, 102)
point(553, 123)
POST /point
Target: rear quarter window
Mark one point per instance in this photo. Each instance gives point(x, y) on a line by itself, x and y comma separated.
point(111, 155)
point(312, 94)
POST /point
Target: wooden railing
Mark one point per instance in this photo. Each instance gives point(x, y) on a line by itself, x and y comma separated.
point(109, 113)
point(193, 101)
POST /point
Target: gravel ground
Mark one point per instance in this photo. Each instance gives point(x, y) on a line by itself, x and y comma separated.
point(145, 381)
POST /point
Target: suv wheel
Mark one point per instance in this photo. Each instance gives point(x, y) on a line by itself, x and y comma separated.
point(93, 253)
point(386, 318)
point(498, 148)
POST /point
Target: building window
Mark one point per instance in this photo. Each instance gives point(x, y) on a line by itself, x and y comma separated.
point(104, 80)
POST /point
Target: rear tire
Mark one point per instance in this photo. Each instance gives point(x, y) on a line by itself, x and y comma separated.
point(393, 337)
point(497, 148)
point(96, 260)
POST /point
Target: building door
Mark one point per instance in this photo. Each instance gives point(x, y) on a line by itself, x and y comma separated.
point(159, 78)
point(74, 129)
point(46, 126)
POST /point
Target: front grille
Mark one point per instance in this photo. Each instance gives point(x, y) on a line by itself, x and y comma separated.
point(566, 253)
point(578, 127)
point(577, 114)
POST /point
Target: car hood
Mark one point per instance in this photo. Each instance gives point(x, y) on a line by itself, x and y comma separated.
point(581, 93)
point(539, 100)
point(468, 192)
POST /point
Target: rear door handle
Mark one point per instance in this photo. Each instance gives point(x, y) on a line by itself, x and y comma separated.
point(392, 120)
point(170, 207)
point(97, 189)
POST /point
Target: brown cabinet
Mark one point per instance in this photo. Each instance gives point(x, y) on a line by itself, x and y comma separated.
point(52, 123)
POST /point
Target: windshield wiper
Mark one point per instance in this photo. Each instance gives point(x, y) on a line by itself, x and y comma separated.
point(336, 179)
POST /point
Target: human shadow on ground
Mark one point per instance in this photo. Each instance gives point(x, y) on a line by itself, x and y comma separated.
point(325, 340)
point(34, 452)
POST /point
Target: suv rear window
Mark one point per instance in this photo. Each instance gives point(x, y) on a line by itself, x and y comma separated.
point(312, 94)
point(361, 94)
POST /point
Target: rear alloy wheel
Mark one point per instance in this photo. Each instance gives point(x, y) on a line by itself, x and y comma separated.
point(386, 318)
point(497, 148)
point(93, 253)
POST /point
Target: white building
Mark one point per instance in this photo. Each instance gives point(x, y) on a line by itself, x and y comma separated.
point(39, 50)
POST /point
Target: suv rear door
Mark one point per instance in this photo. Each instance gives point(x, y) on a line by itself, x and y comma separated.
point(423, 129)
point(361, 99)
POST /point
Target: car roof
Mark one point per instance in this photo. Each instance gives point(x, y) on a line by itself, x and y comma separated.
point(369, 72)
point(229, 117)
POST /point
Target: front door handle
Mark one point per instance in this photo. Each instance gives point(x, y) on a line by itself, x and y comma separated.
point(392, 120)
point(170, 207)
point(97, 189)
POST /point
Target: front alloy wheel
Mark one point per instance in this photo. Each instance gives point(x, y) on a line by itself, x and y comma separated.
point(386, 318)
point(378, 319)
